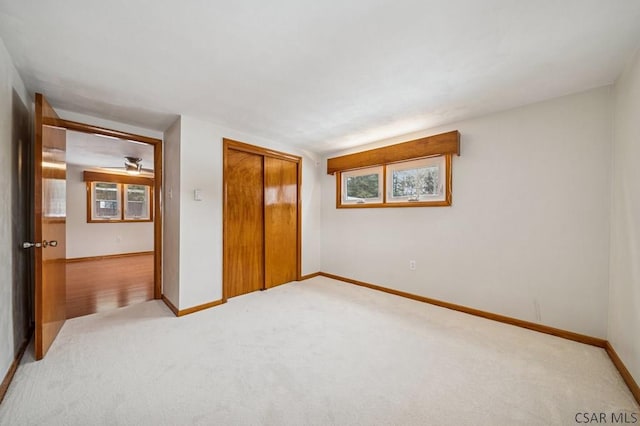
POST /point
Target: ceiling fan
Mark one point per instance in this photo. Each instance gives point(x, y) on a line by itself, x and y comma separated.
point(133, 165)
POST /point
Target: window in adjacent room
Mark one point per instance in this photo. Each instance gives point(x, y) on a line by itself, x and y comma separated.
point(119, 202)
point(105, 201)
point(137, 205)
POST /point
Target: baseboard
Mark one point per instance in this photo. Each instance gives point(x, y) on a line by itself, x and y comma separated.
point(309, 276)
point(624, 372)
point(589, 340)
point(170, 305)
point(200, 307)
point(4, 387)
point(108, 256)
point(181, 312)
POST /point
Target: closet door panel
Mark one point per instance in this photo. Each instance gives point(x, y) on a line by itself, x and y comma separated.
point(244, 223)
point(280, 225)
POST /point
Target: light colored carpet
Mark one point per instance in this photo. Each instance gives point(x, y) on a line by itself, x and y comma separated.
point(318, 352)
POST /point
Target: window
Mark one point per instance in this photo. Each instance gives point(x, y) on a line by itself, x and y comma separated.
point(424, 182)
point(416, 181)
point(119, 197)
point(137, 202)
point(106, 201)
point(362, 186)
point(416, 173)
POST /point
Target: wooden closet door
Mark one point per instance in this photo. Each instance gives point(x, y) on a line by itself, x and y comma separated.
point(280, 221)
point(244, 223)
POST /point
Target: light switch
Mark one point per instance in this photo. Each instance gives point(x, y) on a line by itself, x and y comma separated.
point(197, 194)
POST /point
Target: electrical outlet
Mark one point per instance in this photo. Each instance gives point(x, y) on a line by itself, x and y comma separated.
point(412, 265)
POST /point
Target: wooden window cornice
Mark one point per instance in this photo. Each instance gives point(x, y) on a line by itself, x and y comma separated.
point(444, 143)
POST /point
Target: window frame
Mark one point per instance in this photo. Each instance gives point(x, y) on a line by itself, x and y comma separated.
point(447, 186)
point(121, 189)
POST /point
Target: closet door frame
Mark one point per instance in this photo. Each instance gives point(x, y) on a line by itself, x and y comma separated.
point(230, 144)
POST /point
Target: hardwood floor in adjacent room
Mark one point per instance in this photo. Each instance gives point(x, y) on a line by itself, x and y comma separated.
point(98, 284)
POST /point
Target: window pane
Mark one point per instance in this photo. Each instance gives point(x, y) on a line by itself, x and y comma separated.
point(416, 182)
point(362, 186)
point(366, 186)
point(137, 199)
point(106, 201)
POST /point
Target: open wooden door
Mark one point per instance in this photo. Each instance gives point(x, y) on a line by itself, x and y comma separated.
point(49, 230)
point(22, 224)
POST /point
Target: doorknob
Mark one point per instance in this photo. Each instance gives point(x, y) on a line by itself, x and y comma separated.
point(27, 245)
point(44, 244)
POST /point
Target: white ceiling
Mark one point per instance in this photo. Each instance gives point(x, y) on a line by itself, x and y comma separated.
point(97, 151)
point(323, 74)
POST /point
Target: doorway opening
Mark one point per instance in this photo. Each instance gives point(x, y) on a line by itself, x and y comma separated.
point(109, 223)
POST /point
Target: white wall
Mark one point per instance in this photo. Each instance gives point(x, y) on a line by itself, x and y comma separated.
point(200, 233)
point(171, 215)
point(528, 230)
point(98, 239)
point(624, 293)
point(9, 81)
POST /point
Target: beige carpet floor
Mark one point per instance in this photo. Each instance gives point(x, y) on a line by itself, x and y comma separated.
point(320, 352)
